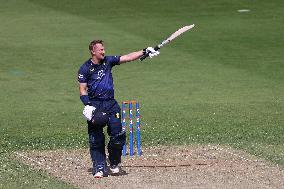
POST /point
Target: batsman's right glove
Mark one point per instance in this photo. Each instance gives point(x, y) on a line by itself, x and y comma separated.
point(88, 112)
point(151, 52)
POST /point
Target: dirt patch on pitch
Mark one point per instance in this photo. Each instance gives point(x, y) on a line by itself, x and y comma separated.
point(163, 167)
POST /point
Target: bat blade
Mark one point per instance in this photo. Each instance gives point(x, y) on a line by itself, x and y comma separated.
point(180, 31)
point(169, 39)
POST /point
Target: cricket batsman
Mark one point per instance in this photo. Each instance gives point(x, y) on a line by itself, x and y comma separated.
point(101, 109)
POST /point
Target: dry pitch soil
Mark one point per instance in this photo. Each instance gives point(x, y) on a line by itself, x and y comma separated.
point(211, 166)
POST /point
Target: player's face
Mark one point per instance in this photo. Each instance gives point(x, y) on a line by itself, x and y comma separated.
point(99, 51)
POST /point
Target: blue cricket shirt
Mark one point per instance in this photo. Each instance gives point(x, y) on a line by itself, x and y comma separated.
point(99, 77)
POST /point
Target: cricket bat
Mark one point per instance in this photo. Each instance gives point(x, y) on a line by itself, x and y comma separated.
point(169, 39)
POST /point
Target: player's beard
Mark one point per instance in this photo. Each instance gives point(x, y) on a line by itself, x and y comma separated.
point(101, 57)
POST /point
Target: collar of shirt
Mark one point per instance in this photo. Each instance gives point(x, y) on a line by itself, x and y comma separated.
point(94, 64)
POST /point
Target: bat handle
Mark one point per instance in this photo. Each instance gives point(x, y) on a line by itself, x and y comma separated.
point(147, 54)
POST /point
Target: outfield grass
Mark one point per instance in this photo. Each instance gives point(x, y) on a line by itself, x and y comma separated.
point(220, 83)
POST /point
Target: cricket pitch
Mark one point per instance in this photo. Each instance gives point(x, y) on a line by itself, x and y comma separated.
point(210, 166)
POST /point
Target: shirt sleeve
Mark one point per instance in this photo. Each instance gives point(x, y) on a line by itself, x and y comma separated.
point(114, 60)
point(82, 75)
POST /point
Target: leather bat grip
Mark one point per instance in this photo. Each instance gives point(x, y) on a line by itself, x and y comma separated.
point(147, 54)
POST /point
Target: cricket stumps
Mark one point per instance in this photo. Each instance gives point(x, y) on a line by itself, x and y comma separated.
point(127, 112)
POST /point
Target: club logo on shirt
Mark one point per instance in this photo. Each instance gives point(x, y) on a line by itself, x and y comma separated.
point(101, 74)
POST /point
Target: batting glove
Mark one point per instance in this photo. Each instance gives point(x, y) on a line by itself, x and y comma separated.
point(88, 112)
point(152, 52)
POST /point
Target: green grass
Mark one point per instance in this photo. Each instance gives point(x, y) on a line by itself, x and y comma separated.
point(220, 83)
point(15, 175)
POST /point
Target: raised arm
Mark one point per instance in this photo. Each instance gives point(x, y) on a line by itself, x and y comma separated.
point(136, 55)
point(131, 56)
